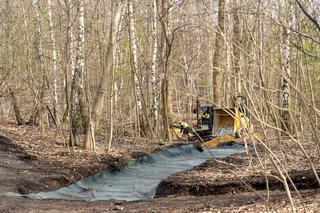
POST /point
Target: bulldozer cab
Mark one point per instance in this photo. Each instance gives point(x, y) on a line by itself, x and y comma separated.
point(203, 124)
point(205, 116)
point(213, 122)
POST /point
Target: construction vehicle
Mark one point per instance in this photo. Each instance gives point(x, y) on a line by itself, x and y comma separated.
point(214, 126)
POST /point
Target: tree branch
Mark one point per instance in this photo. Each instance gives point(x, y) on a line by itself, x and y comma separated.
point(308, 15)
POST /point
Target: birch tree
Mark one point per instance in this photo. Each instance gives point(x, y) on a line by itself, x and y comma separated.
point(69, 56)
point(134, 65)
point(37, 115)
point(285, 67)
point(155, 102)
point(79, 107)
point(142, 118)
point(54, 59)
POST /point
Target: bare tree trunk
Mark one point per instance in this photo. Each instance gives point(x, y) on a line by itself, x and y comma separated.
point(217, 59)
point(69, 58)
point(87, 124)
point(80, 118)
point(102, 89)
point(170, 82)
point(210, 57)
point(115, 26)
point(167, 39)
point(37, 115)
point(228, 72)
point(236, 45)
point(133, 45)
point(5, 67)
point(112, 100)
point(134, 67)
point(155, 102)
point(16, 107)
point(73, 40)
point(113, 86)
point(142, 114)
point(54, 61)
point(99, 102)
point(285, 88)
point(165, 103)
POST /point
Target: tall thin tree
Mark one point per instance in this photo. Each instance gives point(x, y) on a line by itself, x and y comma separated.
point(80, 117)
point(218, 53)
point(154, 80)
point(54, 59)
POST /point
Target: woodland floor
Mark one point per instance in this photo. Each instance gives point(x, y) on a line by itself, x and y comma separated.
point(30, 162)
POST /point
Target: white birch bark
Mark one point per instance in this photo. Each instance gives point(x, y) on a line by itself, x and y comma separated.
point(155, 102)
point(54, 55)
point(37, 114)
point(79, 106)
point(285, 89)
point(38, 37)
point(72, 37)
point(80, 52)
point(133, 45)
point(89, 143)
point(285, 66)
point(119, 54)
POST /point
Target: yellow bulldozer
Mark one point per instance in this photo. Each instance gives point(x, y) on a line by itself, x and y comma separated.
point(214, 126)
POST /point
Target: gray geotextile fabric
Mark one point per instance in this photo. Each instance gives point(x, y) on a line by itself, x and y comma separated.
point(139, 178)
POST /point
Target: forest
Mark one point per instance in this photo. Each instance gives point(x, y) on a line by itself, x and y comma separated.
point(92, 88)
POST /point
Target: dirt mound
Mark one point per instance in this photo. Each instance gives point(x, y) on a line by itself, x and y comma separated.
point(202, 180)
point(31, 162)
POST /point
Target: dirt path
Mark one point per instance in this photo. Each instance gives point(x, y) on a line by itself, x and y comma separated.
point(27, 165)
point(242, 202)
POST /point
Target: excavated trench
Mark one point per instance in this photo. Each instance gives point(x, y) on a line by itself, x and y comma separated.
point(140, 178)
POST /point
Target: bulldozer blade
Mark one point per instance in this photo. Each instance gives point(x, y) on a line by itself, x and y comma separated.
point(218, 140)
point(224, 121)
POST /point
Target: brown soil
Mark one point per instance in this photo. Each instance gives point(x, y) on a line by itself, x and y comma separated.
point(36, 163)
point(183, 183)
point(30, 162)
